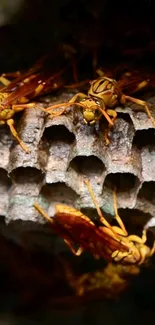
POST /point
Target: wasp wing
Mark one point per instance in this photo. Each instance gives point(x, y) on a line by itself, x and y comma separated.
point(46, 72)
point(86, 234)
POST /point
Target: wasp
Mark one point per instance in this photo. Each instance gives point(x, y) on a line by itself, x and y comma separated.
point(103, 97)
point(104, 241)
point(45, 76)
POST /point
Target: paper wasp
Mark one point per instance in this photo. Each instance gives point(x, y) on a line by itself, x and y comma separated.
point(104, 241)
point(104, 95)
point(45, 76)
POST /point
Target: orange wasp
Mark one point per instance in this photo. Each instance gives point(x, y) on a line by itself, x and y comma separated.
point(103, 241)
point(104, 95)
point(43, 77)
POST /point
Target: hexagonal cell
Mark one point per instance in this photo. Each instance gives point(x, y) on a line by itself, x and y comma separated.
point(124, 115)
point(134, 221)
point(26, 186)
point(6, 137)
point(134, 218)
point(148, 163)
point(5, 185)
point(26, 175)
point(30, 130)
point(5, 145)
point(93, 215)
point(58, 133)
point(144, 138)
point(126, 185)
point(58, 193)
point(122, 181)
point(60, 141)
point(4, 179)
point(147, 192)
point(90, 166)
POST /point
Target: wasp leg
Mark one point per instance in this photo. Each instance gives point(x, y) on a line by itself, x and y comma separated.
point(102, 219)
point(77, 96)
point(143, 248)
point(4, 77)
point(112, 113)
point(12, 75)
point(152, 251)
point(140, 240)
point(42, 212)
point(137, 239)
point(122, 230)
point(55, 114)
point(78, 252)
point(39, 89)
point(141, 103)
point(10, 123)
point(46, 216)
point(5, 81)
point(144, 252)
point(67, 104)
point(21, 107)
point(100, 73)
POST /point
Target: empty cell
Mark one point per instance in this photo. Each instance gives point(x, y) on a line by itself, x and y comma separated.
point(24, 175)
point(124, 116)
point(147, 191)
point(122, 181)
point(58, 133)
point(58, 193)
point(134, 218)
point(5, 181)
point(90, 165)
point(93, 215)
point(5, 185)
point(60, 141)
point(144, 138)
point(6, 137)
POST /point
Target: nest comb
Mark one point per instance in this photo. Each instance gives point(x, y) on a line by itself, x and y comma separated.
point(63, 151)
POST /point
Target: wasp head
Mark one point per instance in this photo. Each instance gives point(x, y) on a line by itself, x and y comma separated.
point(91, 112)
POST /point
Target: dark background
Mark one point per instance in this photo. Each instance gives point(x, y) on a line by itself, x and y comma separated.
point(30, 29)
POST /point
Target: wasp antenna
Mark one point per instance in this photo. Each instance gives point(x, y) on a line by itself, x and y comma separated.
point(105, 115)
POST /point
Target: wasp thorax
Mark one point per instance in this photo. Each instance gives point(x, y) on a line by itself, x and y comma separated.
point(110, 99)
point(104, 89)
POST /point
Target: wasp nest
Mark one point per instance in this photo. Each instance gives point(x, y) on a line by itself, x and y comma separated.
point(63, 151)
